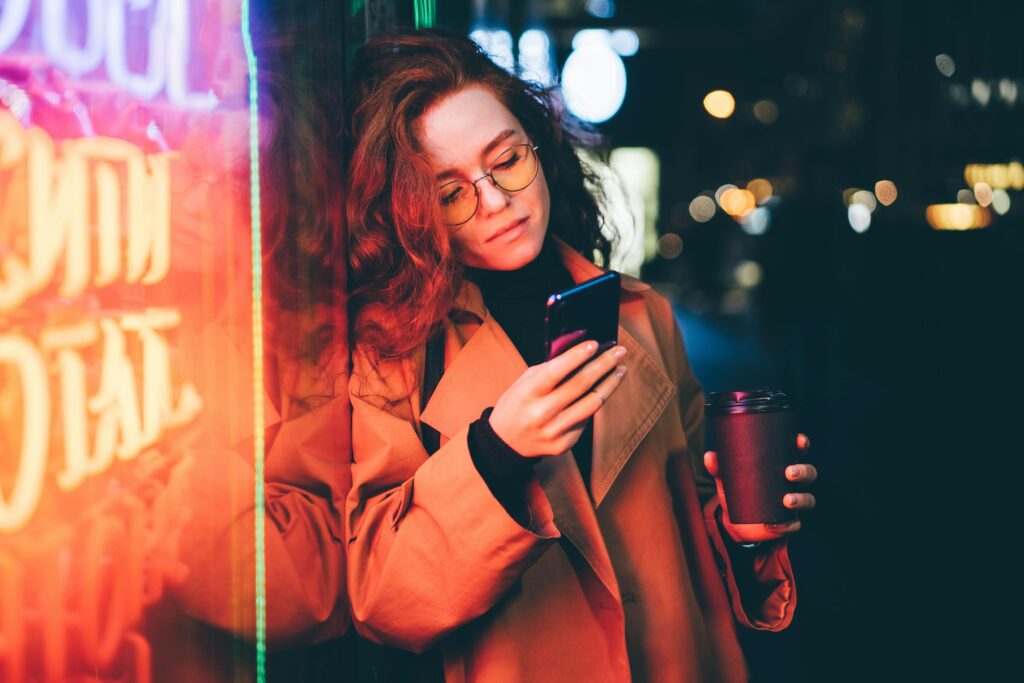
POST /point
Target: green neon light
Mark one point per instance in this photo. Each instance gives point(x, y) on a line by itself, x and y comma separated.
point(424, 13)
point(257, 346)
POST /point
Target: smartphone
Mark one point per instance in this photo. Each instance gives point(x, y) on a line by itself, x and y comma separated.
point(590, 310)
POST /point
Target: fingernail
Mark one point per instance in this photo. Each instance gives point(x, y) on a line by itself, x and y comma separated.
point(792, 472)
point(591, 347)
point(790, 500)
point(620, 352)
point(620, 371)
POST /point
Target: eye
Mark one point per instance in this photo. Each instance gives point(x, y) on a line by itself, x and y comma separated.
point(449, 195)
point(510, 161)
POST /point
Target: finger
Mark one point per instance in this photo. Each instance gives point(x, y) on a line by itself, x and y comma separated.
point(711, 463)
point(803, 474)
point(784, 528)
point(799, 501)
point(590, 402)
point(552, 372)
point(803, 442)
point(584, 380)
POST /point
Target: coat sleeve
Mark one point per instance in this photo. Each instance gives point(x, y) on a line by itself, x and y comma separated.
point(759, 582)
point(429, 547)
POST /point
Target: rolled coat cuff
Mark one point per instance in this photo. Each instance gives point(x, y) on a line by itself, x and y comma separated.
point(760, 582)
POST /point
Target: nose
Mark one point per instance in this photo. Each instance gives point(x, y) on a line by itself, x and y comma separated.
point(492, 198)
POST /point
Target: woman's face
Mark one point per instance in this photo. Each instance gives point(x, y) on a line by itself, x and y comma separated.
point(462, 135)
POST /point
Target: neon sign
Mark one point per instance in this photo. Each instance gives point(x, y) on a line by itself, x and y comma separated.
point(102, 179)
point(108, 42)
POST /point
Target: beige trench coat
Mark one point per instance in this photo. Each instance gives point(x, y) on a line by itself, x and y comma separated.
point(634, 584)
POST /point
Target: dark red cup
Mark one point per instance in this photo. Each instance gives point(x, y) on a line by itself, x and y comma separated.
point(754, 434)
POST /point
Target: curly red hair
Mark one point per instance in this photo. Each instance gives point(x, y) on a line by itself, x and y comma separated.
point(405, 271)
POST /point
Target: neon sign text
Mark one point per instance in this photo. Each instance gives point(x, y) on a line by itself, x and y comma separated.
point(88, 181)
point(107, 42)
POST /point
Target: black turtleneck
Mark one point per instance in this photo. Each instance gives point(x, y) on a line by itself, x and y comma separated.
point(517, 300)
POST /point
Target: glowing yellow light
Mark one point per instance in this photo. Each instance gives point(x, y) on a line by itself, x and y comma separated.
point(885, 191)
point(670, 246)
point(720, 104)
point(761, 189)
point(721, 190)
point(957, 216)
point(737, 202)
point(999, 176)
point(983, 193)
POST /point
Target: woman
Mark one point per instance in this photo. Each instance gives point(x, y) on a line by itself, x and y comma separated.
point(557, 534)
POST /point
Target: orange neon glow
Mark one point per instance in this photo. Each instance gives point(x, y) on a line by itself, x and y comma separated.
point(69, 184)
point(738, 203)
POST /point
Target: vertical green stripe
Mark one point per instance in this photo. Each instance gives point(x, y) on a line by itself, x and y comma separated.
point(257, 346)
point(424, 13)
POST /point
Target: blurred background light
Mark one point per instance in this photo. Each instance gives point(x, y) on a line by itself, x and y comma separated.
point(756, 222)
point(796, 85)
point(865, 198)
point(737, 203)
point(602, 9)
point(722, 190)
point(885, 191)
point(748, 274)
point(957, 216)
point(965, 196)
point(980, 91)
point(702, 209)
point(766, 111)
point(761, 189)
point(497, 43)
point(535, 57)
point(945, 64)
point(1008, 90)
point(859, 217)
point(998, 176)
point(670, 246)
point(848, 195)
point(593, 78)
point(983, 193)
point(720, 104)
point(637, 172)
point(1000, 201)
point(625, 41)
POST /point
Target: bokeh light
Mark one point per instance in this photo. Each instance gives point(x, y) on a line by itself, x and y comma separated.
point(957, 216)
point(965, 196)
point(702, 209)
point(748, 274)
point(999, 176)
point(945, 64)
point(885, 191)
point(866, 198)
point(625, 41)
point(738, 203)
point(766, 111)
point(720, 104)
point(756, 222)
point(670, 246)
point(859, 217)
point(1000, 201)
point(983, 193)
point(593, 78)
point(722, 190)
point(761, 189)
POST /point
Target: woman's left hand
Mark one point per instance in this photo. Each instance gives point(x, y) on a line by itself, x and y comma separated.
point(802, 473)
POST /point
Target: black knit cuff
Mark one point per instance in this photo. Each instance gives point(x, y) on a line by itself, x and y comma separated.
point(494, 459)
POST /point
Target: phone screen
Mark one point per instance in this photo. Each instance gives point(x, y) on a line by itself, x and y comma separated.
point(590, 310)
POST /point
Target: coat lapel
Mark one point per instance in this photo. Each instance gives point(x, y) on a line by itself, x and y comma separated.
point(478, 374)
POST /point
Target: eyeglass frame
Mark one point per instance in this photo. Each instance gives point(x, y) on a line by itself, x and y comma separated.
point(490, 174)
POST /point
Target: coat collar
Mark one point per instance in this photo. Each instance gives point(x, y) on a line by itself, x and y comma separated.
point(489, 362)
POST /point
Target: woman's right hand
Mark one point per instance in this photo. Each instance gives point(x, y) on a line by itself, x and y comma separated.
point(540, 414)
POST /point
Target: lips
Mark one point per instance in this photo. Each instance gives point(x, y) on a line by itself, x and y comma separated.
point(510, 226)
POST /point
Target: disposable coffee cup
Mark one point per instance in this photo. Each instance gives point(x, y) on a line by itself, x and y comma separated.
point(754, 434)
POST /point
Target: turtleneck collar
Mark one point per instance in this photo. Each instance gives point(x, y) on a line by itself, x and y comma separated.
point(535, 277)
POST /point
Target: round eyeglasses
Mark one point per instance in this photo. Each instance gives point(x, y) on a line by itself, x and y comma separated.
point(513, 170)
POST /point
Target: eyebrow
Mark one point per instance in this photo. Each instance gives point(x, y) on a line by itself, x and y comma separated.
point(498, 139)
